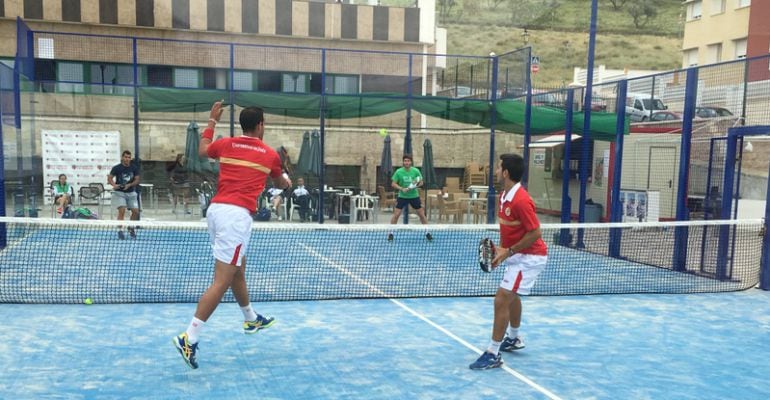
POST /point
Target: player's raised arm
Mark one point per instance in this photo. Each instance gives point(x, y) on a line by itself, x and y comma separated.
point(207, 136)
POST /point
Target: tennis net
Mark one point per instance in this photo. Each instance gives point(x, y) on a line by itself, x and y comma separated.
point(66, 261)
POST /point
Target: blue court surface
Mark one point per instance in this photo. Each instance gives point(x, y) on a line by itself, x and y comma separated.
point(700, 346)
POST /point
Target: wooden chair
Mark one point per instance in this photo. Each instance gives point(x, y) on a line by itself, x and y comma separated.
point(479, 212)
point(431, 202)
point(387, 199)
point(448, 208)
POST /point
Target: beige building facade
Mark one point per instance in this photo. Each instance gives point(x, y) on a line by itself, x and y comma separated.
point(724, 30)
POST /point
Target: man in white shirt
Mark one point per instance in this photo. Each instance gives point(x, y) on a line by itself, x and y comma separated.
point(276, 198)
point(301, 197)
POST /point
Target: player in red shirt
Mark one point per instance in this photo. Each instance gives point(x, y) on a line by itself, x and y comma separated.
point(244, 165)
point(521, 251)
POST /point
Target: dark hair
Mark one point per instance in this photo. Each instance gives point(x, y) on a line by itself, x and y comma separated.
point(409, 156)
point(250, 118)
point(514, 164)
point(62, 175)
point(126, 152)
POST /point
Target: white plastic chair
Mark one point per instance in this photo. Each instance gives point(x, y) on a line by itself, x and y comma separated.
point(295, 206)
point(365, 205)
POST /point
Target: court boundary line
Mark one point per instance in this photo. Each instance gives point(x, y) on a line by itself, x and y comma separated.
point(425, 319)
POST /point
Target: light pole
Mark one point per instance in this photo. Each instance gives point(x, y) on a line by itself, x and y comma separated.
point(525, 35)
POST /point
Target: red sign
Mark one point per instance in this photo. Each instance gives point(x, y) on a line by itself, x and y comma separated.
point(535, 68)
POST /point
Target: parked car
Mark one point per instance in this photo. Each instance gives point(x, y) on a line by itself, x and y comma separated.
point(712, 112)
point(659, 116)
point(598, 104)
point(639, 106)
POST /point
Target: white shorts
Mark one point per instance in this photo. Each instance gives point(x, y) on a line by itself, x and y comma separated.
point(123, 199)
point(229, 230)
point(521, 271)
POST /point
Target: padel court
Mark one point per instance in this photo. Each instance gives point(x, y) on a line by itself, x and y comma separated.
point(373, 327)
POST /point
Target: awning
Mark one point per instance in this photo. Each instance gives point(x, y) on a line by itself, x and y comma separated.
point(551, 141)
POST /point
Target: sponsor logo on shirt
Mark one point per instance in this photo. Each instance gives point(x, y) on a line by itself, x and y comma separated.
point(249, 147)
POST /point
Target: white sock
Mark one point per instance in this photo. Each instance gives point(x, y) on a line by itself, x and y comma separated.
point(194, 330)
point(494, 347)
point(513, 332)
point(248, 313)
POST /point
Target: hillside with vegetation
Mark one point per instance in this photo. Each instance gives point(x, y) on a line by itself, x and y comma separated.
point(632, 34)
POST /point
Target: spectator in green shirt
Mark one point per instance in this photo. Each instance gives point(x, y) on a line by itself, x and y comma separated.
point(406, 180)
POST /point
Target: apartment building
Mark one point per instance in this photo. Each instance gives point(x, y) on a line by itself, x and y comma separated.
point(723, 30)
point(308, 24)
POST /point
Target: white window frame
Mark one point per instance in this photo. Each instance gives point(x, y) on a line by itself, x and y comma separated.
point(743, 3)
point(740, 48)
point(690, 58)
point(714, 53)
point(183, 78)
point(295, 82)
point(336, 84)
point(718, 6)
point(68, 86)
point(694, 10)
point(243, 80)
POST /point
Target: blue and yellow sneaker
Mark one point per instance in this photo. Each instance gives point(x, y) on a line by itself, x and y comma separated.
point(512, 344)
point(259, 323)
point(487, 361)
point(186, 349)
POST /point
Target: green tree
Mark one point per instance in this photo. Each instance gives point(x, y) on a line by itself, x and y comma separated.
point(617, 4)
point(493, 4)
point(643, 11)
point(445, 8)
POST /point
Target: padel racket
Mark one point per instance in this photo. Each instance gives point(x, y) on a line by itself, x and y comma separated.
point(487, 253)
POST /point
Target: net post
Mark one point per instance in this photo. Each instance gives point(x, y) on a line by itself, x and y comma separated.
point(322, 112)
point(408, 135)
point(527, 116)
point(566, 202)
point(727, 202)
point(135, 67)
point(615, 207)
point(682, 214)
point(764, 265)
point(491, 195)
point(231, 90)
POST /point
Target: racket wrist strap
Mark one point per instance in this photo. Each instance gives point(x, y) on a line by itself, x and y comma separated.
point(208, 133)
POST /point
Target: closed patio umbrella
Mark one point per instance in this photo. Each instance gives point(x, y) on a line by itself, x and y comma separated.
point(303, 161)
point(386, 162)
point(195, 163)
point(314, 167)
point(428, 172)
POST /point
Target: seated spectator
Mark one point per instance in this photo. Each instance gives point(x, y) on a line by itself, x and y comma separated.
point(276, 198)
point(180, 185)
point(301, 197)
point(62, 194)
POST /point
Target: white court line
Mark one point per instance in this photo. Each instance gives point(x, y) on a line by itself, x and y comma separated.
point(406, 308)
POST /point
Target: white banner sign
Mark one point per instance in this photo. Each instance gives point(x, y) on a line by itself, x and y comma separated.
point(85, 157)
